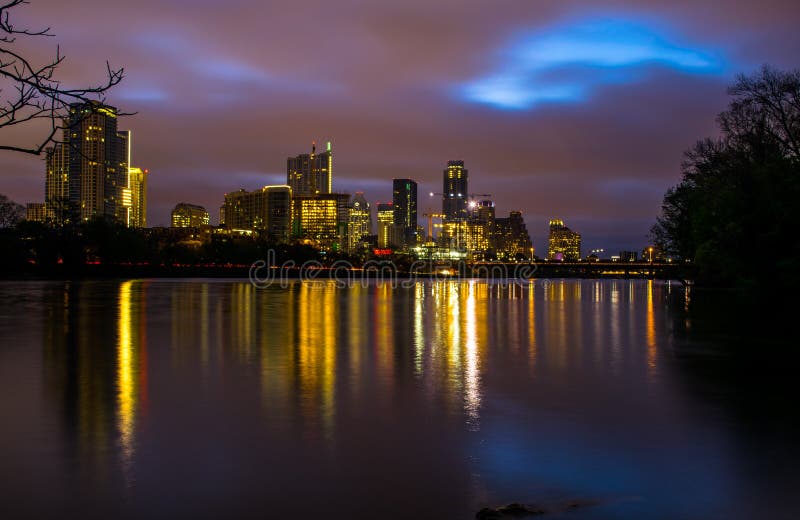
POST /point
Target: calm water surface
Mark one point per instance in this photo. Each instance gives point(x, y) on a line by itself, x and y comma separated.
point(203, 398)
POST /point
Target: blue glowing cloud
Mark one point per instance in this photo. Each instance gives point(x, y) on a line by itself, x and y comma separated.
point(145, 94)
point(566, 63)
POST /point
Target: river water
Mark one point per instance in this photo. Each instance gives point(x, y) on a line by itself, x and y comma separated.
point(212, 398)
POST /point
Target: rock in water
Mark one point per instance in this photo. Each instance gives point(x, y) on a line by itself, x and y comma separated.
point(509, 511)
point(516, 510)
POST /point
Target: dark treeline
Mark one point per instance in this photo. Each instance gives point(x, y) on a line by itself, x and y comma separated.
point(33, 247)
point(104, 248)
point(736, 212)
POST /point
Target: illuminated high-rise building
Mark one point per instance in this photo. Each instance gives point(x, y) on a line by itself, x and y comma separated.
point(485, 211)
point(455, 191)
point(268, 211)
point(189, 216)
point(512, 242)
point(122, 189)
point(56, 188)
point(564, 244)
point(477, 239)
point(36, 212)
point(97, 162)
point(404, 201)
point(480, 228)
point(359, 222)
point(137, 188)
point(320, 220)
point(311, 174)
point(386, 227)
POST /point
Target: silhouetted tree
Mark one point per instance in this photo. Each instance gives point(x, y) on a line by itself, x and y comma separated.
point(10, 212)
point(735, 213)
point(30, 92)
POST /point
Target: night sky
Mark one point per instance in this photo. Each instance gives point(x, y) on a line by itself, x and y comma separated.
point(559, 109)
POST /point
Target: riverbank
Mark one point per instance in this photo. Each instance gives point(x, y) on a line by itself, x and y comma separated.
point(336, 271)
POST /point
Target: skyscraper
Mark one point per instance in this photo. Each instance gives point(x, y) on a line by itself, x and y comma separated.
point(455, 191)
point(189, 215)
point(137, 187)
point(97, 156)
point(563, 244)
point(310, 174)
point(320, 220)
point(386, 226)
point(56, 187)
point(268, 211)
point(122, 190)
point(480, 232)
point(359, 222)
point(511, 239)
point(404, 200)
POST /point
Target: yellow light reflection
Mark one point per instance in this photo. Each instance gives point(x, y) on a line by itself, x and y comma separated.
point(419, 333)
point(472, 392)
point(651, 329)
point(532, 323)
point(130, 369)
point(318, 333)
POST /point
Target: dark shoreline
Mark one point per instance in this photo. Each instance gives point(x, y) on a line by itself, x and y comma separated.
point(479, 271)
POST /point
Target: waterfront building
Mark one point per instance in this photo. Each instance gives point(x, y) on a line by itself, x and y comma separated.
point(512, 242)
point(310, 174)
point(477, 238)
point(56, 187)
point(189, 216)
point(563, 244)
point(455, 191)
point(137, 191)
point(36, 212)
point(320, 220)
point(267, 211)
point(404, 201)
point(88, 174)
point(359, 223)
point(386, 228)
point(97, 162)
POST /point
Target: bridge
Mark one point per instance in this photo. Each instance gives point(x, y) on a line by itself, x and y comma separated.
point(664, 271)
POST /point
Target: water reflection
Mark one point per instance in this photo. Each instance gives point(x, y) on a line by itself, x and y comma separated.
point(131, 368)
point(312, 341)
point(458, 394)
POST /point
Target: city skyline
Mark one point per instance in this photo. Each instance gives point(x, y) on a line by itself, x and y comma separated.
point(597, 148)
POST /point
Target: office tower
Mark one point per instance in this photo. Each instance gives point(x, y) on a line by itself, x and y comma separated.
point(267, 211)
point(386, 228)
point(310, 174)
point(480, 232)
point(97, 159)
point(279, 213)
point(485, 211)
point(56, 187)
point(564, 244)
point(36, 212)
point(359, 222)
point(121, 189)
point(137, 188)
point(477, 239)
point(189, 215)
point(320, 220)
point(511, 239)
point(404, 200)
point(455, 191)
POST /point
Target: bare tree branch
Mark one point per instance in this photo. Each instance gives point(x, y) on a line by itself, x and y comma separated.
point(31, 92)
